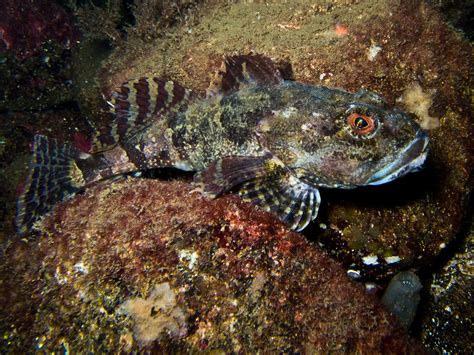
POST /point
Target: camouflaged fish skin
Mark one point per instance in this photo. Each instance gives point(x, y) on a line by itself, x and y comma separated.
point(309, 131)
point(271, 140)
point(304, 126)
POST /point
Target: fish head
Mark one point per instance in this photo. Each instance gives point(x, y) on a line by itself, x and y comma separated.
point(345, 140)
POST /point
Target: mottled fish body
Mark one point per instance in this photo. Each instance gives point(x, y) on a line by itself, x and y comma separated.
point(273, 141)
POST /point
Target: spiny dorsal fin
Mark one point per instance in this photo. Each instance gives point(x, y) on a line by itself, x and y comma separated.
point(137, 103)
point(243, 70)
point(292, 200)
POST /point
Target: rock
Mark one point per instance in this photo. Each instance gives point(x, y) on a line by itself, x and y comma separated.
point(68, 289)
point(144, 265)
point(457, 13)
point(447, 320)
point(35, 42)
point(402, 297)
point(395, 226)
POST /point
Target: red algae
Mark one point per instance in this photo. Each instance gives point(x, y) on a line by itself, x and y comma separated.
point(25, 27)
point(221, 275)
point(36, 40)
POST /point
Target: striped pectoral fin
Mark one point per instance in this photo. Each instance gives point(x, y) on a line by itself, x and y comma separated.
point(53, 177)
point(292, 200)
point(229, 172)
point(137, 103)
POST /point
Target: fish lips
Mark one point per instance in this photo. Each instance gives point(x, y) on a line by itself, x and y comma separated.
point(410, 159)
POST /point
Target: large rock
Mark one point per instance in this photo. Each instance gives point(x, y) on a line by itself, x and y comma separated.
point(148, 265)
point(98, 279)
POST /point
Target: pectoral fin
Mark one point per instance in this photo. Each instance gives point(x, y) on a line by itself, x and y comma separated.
point(229, 172)
point(292, 200)
point(266, 182)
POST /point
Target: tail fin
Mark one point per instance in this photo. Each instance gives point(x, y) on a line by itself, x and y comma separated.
point(53, 177)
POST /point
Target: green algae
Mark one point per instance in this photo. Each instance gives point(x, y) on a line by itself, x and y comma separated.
point(222, 29)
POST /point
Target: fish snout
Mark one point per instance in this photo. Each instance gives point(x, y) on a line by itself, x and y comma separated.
point(422, 140)
point(410, 159)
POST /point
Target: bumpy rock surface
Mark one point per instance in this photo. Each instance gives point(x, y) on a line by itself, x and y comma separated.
point(226, 276)
point(148, 265)
point(400, 49)
point(449, 313)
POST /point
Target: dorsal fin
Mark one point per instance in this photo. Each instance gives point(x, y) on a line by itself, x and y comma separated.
point(137, 103)
point(243, 70)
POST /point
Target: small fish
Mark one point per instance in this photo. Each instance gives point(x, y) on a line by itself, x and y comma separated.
point(272, 140)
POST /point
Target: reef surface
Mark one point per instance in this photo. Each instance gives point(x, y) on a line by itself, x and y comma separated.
point(447, 316)
point(150, 265)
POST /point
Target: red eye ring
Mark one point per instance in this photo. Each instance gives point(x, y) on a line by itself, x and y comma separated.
point(361, 124)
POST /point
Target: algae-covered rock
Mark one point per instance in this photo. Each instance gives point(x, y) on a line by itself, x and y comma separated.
point(448, 314)
point(149, 265)
point(35, 42)
point(402, 50)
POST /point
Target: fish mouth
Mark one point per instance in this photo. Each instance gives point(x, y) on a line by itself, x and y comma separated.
point(410, 159)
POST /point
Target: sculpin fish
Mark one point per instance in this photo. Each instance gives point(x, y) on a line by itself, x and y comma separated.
point(273, 141)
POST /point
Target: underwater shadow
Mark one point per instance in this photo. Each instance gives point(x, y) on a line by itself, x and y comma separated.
point(403, 191)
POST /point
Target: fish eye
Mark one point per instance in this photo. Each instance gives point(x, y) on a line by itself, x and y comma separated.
point(361, 124)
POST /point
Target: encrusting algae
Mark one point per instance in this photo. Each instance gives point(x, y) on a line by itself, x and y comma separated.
point(419, 102)
point(155, 314)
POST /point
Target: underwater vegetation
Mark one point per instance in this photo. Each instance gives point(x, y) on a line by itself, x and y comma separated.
point(143, 264)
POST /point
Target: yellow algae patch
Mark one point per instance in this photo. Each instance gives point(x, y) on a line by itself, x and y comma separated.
point(155, 314)
point(418, 102)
